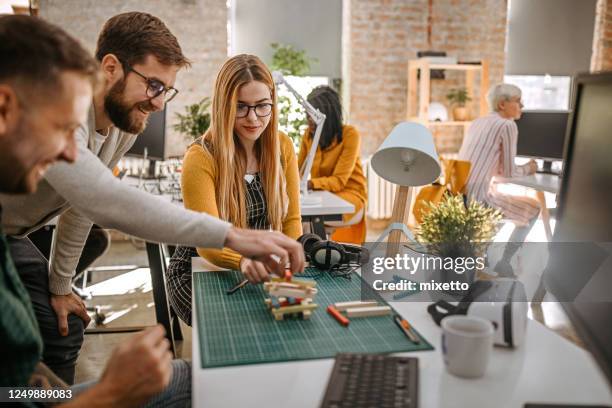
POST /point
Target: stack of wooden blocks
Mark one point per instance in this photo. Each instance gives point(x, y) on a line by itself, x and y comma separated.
point(290, 298)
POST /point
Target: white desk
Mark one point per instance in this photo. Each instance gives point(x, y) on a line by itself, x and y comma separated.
point(547, 368)
point(539, 181)
point(331, 208)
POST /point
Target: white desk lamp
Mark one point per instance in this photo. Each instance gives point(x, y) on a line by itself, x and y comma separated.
point(407, 158)
point(318, 118)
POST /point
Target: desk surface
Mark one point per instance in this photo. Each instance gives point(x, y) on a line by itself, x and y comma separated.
point(539, 181)
point(547, 368)
point(330, 204)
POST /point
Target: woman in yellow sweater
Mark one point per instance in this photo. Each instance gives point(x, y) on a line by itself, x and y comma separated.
point(242, 170)
point(337, 164)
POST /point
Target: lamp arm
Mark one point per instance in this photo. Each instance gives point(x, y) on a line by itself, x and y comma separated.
point(318, 118)
point(314, 113)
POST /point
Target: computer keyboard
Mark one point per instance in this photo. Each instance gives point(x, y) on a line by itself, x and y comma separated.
point(373, 381)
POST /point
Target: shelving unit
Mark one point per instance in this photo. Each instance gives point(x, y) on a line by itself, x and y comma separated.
point(419, 98)
point(419, 90)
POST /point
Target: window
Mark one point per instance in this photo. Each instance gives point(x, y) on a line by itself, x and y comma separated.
point(543, 91)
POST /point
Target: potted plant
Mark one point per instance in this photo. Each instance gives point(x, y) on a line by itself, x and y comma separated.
point(195, 121)
point(291, 116)
point(450, 229)
point(458, 98)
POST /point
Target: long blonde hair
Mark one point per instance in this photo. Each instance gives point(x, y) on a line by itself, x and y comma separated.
point(229, 155)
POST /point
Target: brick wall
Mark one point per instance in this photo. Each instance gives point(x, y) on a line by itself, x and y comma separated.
point(602, 37)
point(382, 35)
point(199, 25)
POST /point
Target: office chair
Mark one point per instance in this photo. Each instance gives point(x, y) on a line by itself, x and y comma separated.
point(165, 315)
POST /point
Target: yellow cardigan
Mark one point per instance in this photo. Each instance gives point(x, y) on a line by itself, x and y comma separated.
point(338, 167)
point(198, 183)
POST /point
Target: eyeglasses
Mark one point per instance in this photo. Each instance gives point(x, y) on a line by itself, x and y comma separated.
point(156, 87)
point(261, 110)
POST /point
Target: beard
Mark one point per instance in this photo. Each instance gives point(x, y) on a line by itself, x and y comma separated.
point(123, 115)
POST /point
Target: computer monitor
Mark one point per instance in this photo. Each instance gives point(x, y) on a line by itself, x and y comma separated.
point(541, 134)
point(579, 271)
point(153, 138)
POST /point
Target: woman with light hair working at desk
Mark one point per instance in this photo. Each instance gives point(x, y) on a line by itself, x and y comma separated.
point(242, 170)
point(490, 146)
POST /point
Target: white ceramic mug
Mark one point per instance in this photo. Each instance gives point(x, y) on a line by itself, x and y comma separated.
point(467, 342)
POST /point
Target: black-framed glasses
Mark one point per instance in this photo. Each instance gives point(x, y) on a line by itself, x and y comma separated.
point(261, 110)
point(156, 87)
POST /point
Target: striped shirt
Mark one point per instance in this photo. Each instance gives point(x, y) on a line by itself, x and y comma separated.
point(179, 271)
point(490, 146)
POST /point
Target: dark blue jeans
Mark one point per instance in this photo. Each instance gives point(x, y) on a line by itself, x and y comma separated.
point(60, 353)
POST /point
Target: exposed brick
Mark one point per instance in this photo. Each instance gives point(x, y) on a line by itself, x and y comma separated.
point(379, 51)
point(601, 59)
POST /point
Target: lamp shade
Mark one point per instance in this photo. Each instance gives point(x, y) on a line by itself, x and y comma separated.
point(408, 156)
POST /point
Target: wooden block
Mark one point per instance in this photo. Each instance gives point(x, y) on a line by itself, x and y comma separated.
point(294, 309)
point(298, 282)
point(289, 292)
point(368, 311)
point(306, 314)
point(342, 306)
point(270, 285)
point(337, 315)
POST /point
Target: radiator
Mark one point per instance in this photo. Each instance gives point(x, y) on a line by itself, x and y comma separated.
point(380, 195)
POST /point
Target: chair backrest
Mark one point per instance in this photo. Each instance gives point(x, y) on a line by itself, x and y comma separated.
point(158, 266)
point(456, 173)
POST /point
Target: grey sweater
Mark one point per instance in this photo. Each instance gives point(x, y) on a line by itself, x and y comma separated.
point(86, 192)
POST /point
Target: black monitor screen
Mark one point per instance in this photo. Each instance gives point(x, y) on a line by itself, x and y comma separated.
point(541, 134)
point(579, 271)
point(153, 138)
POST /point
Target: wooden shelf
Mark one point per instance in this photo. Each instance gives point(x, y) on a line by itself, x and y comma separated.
point(449, 123)
point(457, 67)
point(441, 123)
point(419, 91)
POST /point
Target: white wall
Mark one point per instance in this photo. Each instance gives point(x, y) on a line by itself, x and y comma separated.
point(311, 25)
point(550, 36)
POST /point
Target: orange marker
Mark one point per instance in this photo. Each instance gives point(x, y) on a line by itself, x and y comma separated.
point(337, 315)
point(407, 329)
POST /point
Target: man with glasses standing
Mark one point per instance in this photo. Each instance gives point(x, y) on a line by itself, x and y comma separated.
point(139, 60)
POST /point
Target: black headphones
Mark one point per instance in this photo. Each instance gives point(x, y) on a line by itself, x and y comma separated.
point(329, 254)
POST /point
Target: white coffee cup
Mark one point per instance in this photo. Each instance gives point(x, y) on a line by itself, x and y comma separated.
point(467, 342)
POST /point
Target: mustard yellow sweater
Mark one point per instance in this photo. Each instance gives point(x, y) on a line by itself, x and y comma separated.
point(338, 167)
point(199, 194)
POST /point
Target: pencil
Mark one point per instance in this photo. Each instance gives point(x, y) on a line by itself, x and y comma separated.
point(238, 286)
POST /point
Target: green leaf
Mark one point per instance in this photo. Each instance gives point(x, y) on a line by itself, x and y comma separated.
point(195, 121)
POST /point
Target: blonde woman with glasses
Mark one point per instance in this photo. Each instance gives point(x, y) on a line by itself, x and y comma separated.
point(243, 170)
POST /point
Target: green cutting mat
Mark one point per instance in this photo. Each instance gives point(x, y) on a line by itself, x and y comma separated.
point(238, 329)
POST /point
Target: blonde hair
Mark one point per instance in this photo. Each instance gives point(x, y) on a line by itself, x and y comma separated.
point(228, 154)
point(502, 92)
